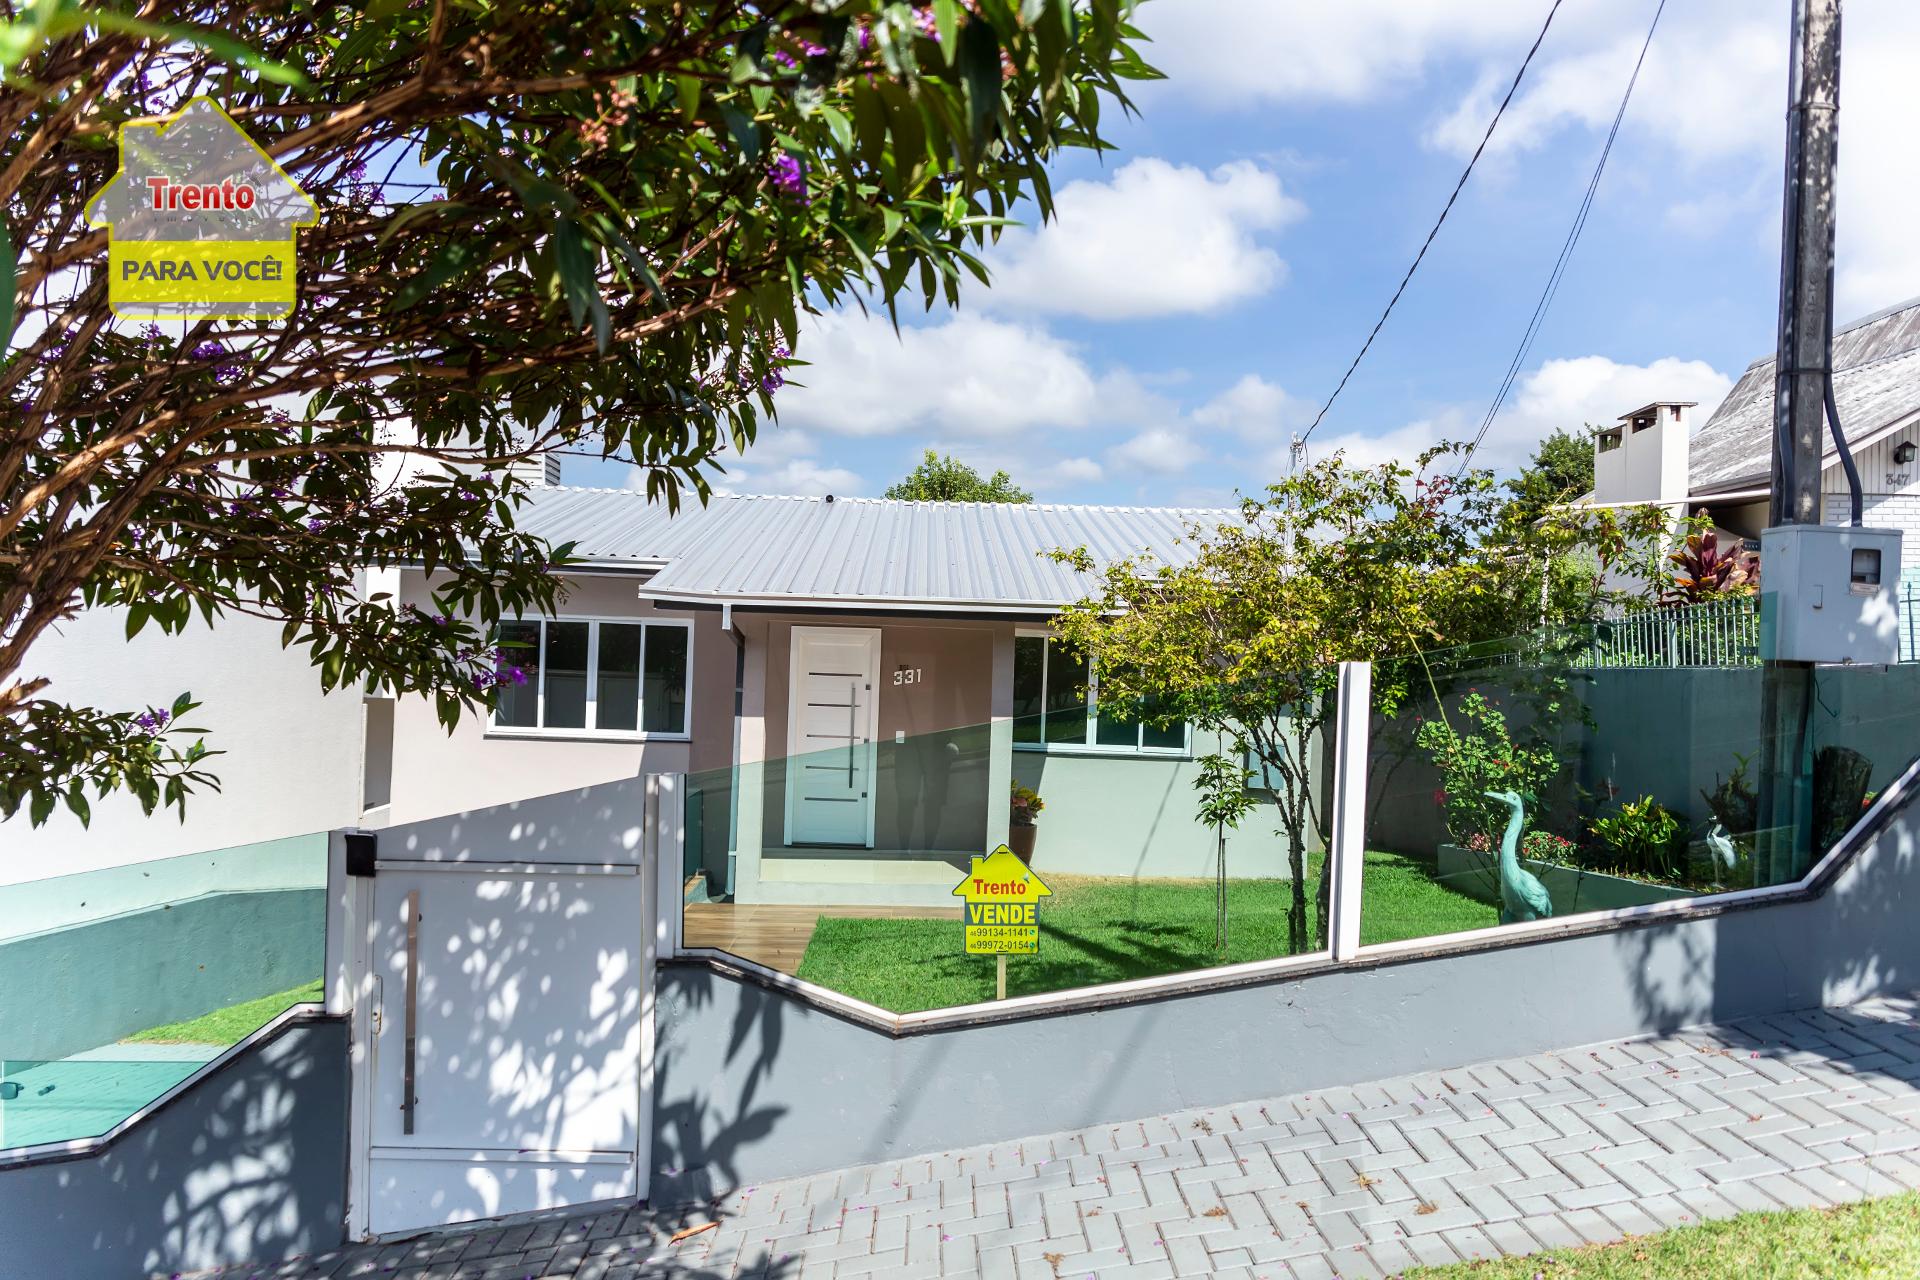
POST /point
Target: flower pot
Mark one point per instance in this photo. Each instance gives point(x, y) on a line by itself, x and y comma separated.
point(1020, 840)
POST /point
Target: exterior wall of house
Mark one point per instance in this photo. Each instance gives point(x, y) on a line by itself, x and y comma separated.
point(261, 706)
point(1113, 815)
point(434, 772)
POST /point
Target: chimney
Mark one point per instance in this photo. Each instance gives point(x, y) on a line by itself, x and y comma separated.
point(540, 469)
point(1644, 457)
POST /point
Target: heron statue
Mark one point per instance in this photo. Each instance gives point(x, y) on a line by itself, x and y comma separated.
point(1522, 896)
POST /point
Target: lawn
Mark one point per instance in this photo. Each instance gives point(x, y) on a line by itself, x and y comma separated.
point(231, 1024)
point(1109, 929)
point(1875, 1238)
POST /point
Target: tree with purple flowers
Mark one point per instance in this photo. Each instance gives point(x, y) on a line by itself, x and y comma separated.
point(570, 225)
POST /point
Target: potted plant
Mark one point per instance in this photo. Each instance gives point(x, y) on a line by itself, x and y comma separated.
point(1024, 806)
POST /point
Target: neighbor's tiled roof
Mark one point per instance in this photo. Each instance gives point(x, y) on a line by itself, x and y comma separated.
point(764, 549)
point(1876, 383)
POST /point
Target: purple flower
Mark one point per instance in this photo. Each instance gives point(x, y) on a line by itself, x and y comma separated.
point(225, 367)
point(789, 177)
point(152, 722)
point(315, 524)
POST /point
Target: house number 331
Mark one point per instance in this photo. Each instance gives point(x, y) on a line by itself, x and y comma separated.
point(909, 675)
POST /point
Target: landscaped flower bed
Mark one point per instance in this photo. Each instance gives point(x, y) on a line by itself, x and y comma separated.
point(1572, 888)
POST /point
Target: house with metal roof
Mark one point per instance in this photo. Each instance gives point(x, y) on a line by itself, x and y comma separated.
point(854, 686)
point(1725, 468)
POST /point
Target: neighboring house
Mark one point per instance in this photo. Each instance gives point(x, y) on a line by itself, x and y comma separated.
point(1726, 467)
point(853, 686)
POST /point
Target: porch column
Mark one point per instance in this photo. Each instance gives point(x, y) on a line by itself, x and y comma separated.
point(749, 769)
point(1000, 737)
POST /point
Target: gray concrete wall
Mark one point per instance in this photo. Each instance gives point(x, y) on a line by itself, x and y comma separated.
point(87, 985)
point(755, 1085)
point(250, 1164)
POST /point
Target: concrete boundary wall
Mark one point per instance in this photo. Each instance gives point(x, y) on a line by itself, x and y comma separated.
point(754, 1083)
point(249, 1163)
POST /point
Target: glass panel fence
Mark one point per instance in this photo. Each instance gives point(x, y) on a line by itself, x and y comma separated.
point(118, 984)
point(1529, 781)
point(852, 864)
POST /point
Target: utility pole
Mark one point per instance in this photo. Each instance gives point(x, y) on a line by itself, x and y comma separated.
point(1800, 382)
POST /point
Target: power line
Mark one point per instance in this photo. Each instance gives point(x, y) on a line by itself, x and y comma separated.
point(1464, 175)
point(1566, 254)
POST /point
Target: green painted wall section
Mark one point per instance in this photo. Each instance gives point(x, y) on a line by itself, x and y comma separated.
point(75, 988)
point(1134, 816)
point(36, 906)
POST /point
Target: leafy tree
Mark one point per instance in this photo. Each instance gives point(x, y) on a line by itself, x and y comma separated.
point(1243, 635)
point(1560, 470)
point(569, 224)
point(947, 479)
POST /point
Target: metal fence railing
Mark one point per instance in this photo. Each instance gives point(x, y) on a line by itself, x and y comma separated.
point(1718, 633)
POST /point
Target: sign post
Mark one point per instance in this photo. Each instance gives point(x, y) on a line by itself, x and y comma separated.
point(1003, 919)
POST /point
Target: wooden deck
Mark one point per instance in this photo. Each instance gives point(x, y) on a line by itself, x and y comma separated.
point(777, 935)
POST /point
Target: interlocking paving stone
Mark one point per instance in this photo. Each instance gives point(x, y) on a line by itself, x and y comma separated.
point(1508, 1157)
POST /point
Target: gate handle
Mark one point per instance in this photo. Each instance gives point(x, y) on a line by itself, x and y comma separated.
point(412, 1010)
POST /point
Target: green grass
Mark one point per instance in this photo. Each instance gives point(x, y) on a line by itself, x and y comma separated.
point(1109, 929)
point(1875, 1238)
point(231, 1024)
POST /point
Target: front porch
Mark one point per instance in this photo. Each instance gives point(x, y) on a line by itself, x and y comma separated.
point(875, 756)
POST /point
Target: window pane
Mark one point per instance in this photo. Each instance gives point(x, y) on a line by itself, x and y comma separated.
point(618, 700)
point(1066, 707)
point(1029, 667)
point(1116, 731)
point(518, 662)
point(566, 675)
point(664, 699)
point(1171, 736)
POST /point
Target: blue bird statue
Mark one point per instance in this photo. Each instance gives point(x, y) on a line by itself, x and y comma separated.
point(1522, 896)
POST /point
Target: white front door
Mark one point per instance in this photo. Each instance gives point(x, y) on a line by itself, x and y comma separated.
point(505, 1040)
point(831, 725)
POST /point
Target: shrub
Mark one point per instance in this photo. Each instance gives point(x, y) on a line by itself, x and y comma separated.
point(1544, 846)
point(1643, 838)
point(1479, 758)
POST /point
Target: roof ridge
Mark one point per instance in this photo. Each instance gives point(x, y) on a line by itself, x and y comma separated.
point(895, 502)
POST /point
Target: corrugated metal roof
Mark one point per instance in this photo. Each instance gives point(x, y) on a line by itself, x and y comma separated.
point(849, 551)
point(1876, 383)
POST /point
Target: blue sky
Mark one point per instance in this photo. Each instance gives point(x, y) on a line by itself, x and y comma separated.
point(1206, 284)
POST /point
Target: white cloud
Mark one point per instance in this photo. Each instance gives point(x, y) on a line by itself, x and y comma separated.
point(969, 376)
point(1561, 394)
point(1157, 450)
point(785, 460)
point(1233, 52)
point(1157, 239)
point(1256, 409)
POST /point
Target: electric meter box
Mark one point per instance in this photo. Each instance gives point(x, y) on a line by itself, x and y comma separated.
point(1830, 593)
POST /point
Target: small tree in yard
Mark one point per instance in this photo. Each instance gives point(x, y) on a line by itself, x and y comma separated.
point(1244, 634)
point(567, 224)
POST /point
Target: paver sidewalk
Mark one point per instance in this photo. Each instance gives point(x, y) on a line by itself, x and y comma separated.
point(1516, 1156)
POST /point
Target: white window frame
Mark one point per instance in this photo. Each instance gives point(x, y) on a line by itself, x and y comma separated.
point(1091, 747)
point(540, 729)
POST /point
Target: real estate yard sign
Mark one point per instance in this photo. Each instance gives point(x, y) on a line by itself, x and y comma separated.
point(201, 222)
point(1003, 916)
